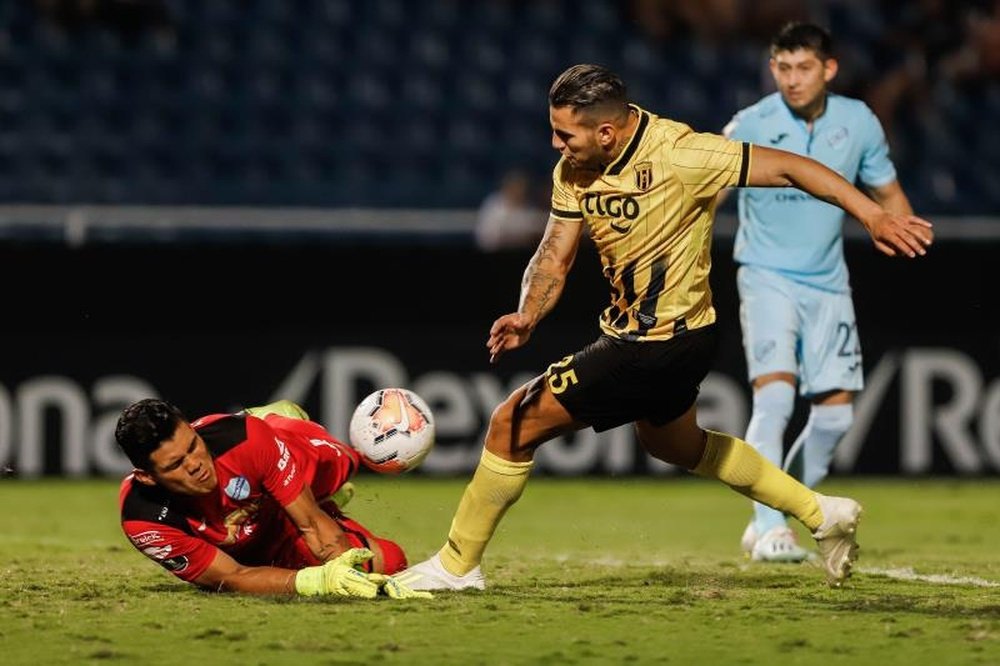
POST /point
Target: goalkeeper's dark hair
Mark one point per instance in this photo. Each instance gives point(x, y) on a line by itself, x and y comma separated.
point(587, 88)
point(143, 426)
point(797, 35)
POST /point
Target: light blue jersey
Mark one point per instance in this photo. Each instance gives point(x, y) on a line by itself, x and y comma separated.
point(785, 229)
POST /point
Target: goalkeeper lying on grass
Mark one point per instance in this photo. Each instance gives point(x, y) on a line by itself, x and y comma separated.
point(250, 502)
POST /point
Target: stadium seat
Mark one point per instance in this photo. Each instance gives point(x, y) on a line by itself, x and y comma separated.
point(258, 95)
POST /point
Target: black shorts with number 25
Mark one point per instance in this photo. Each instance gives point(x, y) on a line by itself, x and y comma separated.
point(612, 381)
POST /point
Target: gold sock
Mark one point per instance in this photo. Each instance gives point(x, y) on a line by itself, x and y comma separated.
point(738, 465)
point(495, 487)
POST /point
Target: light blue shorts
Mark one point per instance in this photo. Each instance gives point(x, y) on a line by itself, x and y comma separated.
point(792, 327)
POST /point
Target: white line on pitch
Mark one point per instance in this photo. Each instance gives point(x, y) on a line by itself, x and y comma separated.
point(902, 573)
point(908, 573)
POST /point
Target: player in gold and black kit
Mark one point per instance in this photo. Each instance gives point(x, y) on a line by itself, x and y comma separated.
point(646, 189)
point(650, 217)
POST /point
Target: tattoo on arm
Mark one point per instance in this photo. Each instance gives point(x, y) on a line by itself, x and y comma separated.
point(541, 291)
point(541, 285)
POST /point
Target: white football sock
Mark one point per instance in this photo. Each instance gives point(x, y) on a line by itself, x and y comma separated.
point(772, 408)
point(809, 458)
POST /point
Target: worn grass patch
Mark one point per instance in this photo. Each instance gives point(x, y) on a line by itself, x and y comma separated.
point(628, 571)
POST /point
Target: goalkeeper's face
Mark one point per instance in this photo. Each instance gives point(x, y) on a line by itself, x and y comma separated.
point(182, 464)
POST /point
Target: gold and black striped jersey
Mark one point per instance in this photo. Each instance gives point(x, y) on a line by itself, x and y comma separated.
point(650, 215)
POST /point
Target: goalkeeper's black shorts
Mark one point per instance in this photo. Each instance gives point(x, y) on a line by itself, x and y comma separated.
point(613, 381)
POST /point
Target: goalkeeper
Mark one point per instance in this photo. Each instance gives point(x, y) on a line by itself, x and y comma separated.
point(250, 502)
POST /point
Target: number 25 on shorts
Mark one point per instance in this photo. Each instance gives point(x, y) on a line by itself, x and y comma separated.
point(558, 379)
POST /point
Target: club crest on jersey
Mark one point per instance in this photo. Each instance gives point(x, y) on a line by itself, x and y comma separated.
point(238, 488)
point(837, 137)
point(643, 176)
point(763, 350)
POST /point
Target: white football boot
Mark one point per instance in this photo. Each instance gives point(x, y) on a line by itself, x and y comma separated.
point(837, 537)
point(431, 575)
point(778, 544)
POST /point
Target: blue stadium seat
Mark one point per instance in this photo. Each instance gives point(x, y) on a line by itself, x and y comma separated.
point(496, 17)
point(250, 102)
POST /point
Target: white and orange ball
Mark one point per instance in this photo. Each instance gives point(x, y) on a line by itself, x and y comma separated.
point(393, 430)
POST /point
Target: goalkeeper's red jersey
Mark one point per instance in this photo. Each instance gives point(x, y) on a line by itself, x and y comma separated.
point(262, 465)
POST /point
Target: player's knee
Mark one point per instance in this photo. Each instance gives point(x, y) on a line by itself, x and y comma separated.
point(774, 400)
point(502, 420)
point(498, 435)
point(835, 420)
point(512, 434)
point(679, 446)
point(826, 427)
point(773, 405)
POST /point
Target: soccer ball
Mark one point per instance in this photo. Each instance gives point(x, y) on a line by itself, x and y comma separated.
point(393, 430)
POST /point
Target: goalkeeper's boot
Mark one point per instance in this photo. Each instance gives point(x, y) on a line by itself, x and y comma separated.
point(343, 495)
point(431, 575)
point(778, 544)
point(837, 537)
point(748, 539)
point(285, 408)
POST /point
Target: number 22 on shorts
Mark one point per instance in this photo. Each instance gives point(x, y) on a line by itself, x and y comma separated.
point(558, 379)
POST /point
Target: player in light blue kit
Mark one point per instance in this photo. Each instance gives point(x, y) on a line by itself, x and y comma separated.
point(795, 298)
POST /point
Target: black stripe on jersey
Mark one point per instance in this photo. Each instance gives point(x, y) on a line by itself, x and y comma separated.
point(152, 504)
point(621, 321)
point(612, 314)
point(647, 308)
point(569, 214)
point(744, 166)
point(224, 434)
point(632, 146)
point(628, 294)
point(628, 284)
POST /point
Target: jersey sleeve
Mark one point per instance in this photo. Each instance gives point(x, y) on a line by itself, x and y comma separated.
point(180, 553)
point(281, 473)
point(707, 163)
point(876, 167)
point(565, 205)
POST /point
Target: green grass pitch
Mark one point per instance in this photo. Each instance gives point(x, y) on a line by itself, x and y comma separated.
point(610, 571)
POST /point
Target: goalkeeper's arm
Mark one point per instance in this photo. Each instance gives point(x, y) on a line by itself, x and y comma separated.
point(336, 577)
point(225, 574)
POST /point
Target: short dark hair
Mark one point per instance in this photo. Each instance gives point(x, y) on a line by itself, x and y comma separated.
point(797, 35)
point(143, 426)
point(585, 87)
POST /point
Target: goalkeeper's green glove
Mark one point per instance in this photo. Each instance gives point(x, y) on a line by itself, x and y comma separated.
point(338, 576)
point(285, 408)
point(394, 589)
